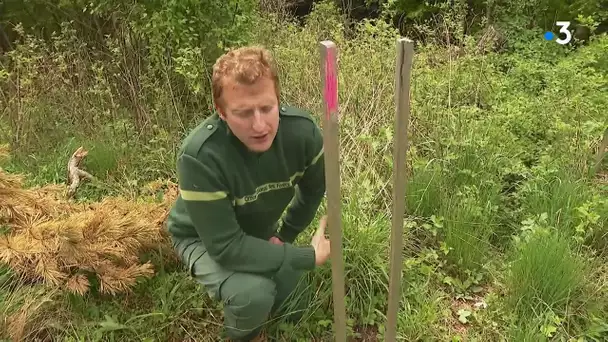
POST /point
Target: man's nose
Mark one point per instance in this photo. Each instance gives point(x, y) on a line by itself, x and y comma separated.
point(258, 123)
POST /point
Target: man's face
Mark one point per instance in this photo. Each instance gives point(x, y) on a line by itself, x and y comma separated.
point(251, 112)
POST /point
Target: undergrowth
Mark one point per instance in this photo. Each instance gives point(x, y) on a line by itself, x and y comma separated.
point(506, 232)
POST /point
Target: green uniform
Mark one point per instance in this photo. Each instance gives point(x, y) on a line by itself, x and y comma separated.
point(232, 201)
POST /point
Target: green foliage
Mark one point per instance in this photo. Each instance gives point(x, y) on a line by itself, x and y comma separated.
point(145, 61)
point(547, 272)
point(557, 196)
point(549, 284)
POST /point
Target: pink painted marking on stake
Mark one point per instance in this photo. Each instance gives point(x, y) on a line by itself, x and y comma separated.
point(331, 84)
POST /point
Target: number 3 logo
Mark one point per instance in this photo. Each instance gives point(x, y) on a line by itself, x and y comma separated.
point(564, 29)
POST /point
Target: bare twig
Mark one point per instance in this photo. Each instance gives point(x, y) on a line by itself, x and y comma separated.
point(75, 174)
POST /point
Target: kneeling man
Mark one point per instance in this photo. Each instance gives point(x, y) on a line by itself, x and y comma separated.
point(251, 178)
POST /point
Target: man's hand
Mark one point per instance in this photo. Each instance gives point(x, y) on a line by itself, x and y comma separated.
point(276, 240)
point(320, 243)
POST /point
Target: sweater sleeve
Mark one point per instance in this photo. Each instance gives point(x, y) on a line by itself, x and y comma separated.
point(309, 193)
point(208, 203)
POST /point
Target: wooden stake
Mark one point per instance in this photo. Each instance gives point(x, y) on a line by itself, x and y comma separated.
point(331, 143)
point(405, 52)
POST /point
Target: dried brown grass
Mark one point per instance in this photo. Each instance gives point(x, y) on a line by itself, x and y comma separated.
point(29, 314)
point(62, 244)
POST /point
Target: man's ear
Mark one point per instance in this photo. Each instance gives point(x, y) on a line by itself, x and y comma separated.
point(219, 111)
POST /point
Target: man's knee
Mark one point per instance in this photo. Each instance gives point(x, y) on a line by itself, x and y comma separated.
point(248, 300)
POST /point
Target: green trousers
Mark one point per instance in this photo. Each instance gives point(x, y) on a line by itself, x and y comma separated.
point(249, 299)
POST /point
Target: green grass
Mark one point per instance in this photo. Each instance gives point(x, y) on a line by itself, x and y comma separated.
point(506, 233)
point(546, 275)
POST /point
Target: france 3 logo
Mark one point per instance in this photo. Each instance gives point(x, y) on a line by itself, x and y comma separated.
point(563, 25)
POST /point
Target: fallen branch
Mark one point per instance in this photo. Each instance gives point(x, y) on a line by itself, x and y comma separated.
point(601, 152)
point(75, 174)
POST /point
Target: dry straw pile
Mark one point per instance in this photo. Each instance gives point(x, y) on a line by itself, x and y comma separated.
point(61, 243)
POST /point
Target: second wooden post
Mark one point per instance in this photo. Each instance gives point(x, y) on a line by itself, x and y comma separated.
point(405, 52)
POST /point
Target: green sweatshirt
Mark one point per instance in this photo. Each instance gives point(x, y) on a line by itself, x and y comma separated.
point(231, 198)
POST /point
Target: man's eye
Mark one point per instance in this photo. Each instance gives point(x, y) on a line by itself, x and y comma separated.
point(243, 113)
